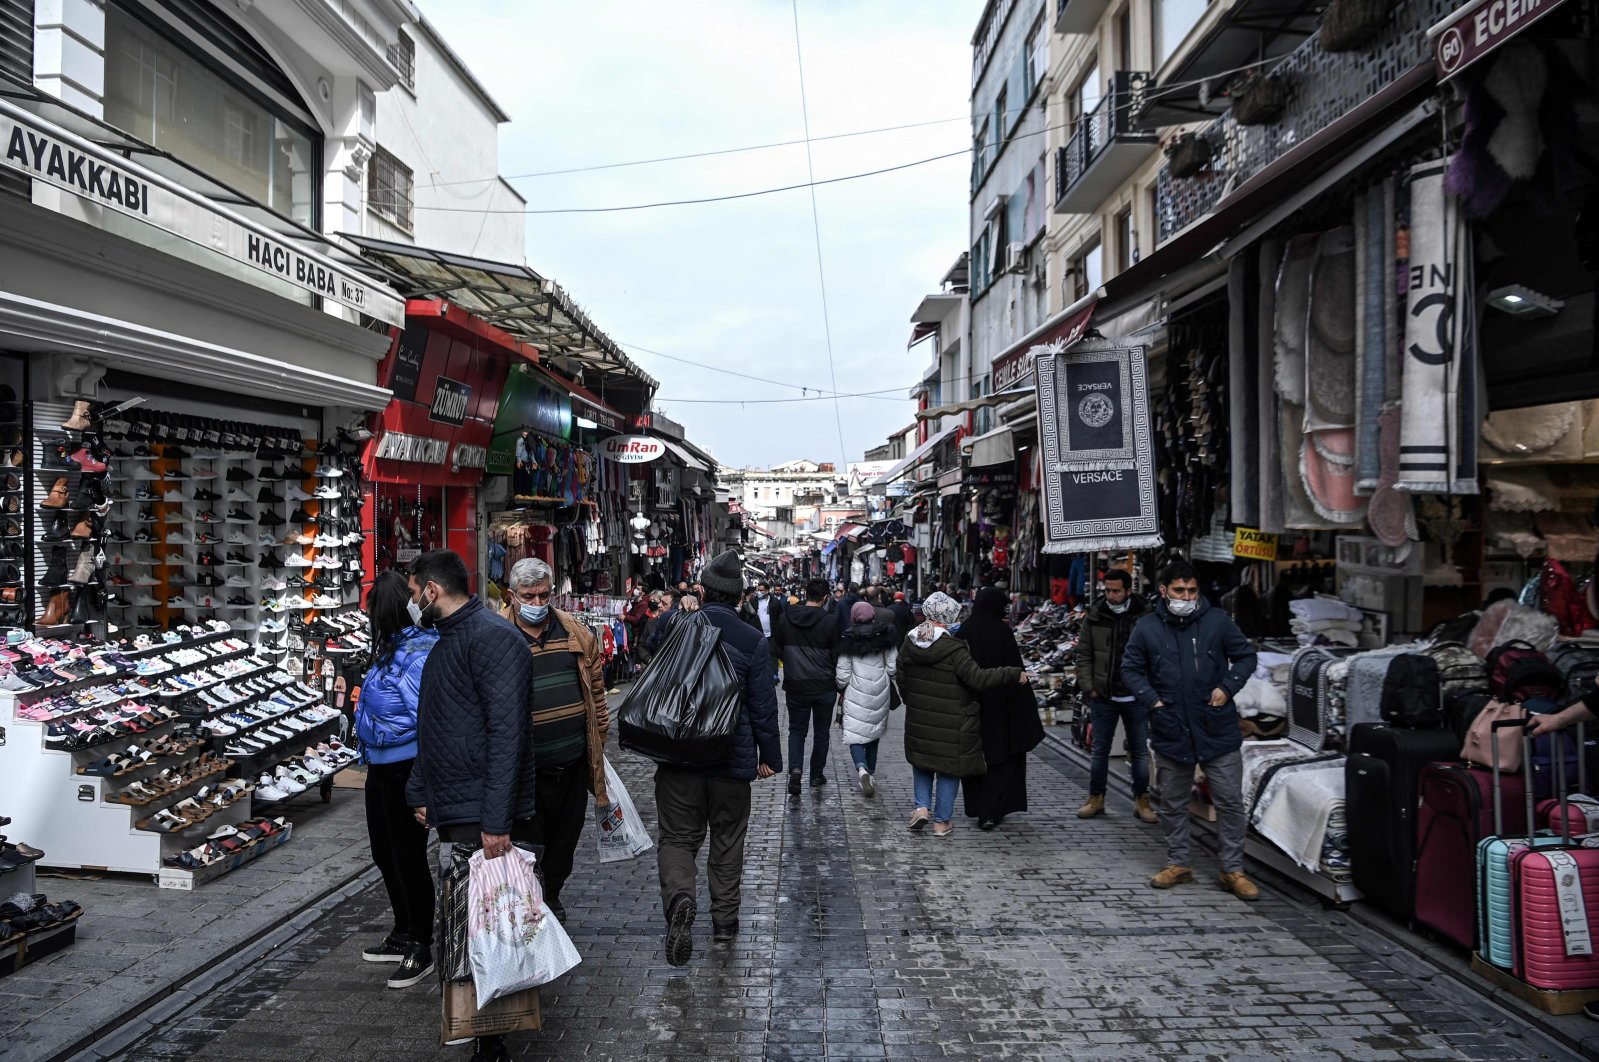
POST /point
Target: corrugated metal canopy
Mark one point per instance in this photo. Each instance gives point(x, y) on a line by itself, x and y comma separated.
point(513, 297)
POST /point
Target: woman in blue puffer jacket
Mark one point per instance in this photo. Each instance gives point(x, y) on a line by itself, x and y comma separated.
point(385, 721)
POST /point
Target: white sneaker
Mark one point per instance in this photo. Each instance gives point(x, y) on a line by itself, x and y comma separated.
point(296, 560)
point(297, 495)
point(174, 497)
point(285, 781)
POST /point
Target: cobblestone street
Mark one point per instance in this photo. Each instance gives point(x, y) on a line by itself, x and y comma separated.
point(861, 940)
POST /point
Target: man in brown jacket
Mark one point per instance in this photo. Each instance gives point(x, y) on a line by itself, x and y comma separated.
point(569, 715)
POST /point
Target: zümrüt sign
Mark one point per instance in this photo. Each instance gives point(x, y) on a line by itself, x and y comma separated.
point(40, 150)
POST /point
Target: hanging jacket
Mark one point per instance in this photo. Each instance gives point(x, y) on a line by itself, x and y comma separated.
point(385, 719)
point(864, 673)
point(1179, 661)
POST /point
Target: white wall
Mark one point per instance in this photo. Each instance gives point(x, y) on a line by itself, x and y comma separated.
point(447, 133)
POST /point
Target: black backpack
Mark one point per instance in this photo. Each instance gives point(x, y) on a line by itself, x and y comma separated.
point(1410, 693)
point(1518, 670)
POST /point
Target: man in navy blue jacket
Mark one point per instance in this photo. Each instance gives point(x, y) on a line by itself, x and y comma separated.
point(1185, 662)
point(689, 802)
point(473, 779)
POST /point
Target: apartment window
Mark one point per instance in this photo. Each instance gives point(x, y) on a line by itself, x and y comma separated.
point(1124, 239)
point(402, 56)
point(980, 155)
point(1087, 270)
point(166, 97)
point(1001, 116)
point(1085, 97)
point(1037, 53)
point(1124, 38)
point(1173, 20)
point(389, 188)
point(1152, 193)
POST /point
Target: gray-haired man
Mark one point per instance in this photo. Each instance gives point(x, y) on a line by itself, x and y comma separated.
point(570, 719)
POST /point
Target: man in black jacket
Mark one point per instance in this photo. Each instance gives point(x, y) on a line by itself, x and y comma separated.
point(473, 779)
point(1106, 628)
point(807, 644)
point(689, 802)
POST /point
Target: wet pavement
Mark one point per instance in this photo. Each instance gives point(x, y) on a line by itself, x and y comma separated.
point(861, 940)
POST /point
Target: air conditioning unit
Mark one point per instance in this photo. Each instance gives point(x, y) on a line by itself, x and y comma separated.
point(1015, 257)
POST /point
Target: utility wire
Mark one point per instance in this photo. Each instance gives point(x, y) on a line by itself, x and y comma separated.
point(816, 229)
point(823, 392)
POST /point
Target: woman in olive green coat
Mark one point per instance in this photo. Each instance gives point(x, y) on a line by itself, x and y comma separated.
point(938, 681)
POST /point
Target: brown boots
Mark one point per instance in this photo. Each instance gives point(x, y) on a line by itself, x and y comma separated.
point(80, 417)
point(56, 611)
point(57, 498)
point(1095, 807)
point(1144, 808)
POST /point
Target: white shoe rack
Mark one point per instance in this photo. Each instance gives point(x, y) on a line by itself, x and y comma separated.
point(69, 816)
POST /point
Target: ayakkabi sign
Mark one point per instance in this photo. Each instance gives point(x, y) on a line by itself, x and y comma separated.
point(632, 449)
point(40, 150)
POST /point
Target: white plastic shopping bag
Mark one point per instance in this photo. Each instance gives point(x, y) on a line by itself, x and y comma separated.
point(621, 834)
point(513, 940)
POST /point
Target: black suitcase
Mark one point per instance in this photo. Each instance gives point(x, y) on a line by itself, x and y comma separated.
point(1381, 778)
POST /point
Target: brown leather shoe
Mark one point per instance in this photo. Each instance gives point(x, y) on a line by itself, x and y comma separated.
point(56, 611)
point(57, 498)
point(1144, 808)
point(85, 528)
point(1235, 882)
point(1095, 806)
point(1172, 876)
point(80, 417)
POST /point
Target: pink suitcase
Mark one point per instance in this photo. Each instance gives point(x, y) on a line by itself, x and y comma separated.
point(1555, 904)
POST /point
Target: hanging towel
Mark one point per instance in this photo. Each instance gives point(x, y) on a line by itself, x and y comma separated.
point(1243, 377)
point(1327, 464)
point(1467, 367)
point(1330, 333)
point(1396, 261)
point(1374, 257)
point(1293, 304)
point(1269, 441)
point(1434, 330)
point(1298, 513)
point(1391, 513)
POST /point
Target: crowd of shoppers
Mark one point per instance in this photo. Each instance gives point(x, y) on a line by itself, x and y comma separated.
point(491, 728)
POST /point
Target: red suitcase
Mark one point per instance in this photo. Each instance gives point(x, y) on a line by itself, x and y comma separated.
point(1455, 812)
point(1555, 904)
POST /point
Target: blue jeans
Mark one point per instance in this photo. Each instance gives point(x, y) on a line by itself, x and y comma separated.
point(1104, 714)
point(813, 712)
point(941, 802)
point(865, 757)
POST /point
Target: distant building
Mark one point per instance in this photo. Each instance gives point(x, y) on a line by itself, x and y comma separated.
point(786, 499)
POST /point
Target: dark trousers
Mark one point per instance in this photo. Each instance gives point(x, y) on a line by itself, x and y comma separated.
point(688, 803)
point(400, 849)
point(563, 802)
point(813, 712)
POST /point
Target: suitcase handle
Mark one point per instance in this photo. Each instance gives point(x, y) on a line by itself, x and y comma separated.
point(1562, 797)
point(1526, 759)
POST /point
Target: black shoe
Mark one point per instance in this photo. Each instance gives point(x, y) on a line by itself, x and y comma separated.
point(680, 930)
point(556, 909)
point(724, 932)
point(818, 781)
point(490, 1049)
point(987, 824)
point(390, 949)
point(793, 783)
point(416, 965)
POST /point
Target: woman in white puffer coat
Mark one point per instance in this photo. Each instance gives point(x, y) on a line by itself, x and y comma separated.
point(865, 673)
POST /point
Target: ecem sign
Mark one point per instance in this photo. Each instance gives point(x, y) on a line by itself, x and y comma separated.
point(1480, 27)
point(632, 449)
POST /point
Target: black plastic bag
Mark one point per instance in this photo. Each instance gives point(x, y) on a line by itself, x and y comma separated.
point(684, 708)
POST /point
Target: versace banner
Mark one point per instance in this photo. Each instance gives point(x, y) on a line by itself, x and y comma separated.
point(1099, 465)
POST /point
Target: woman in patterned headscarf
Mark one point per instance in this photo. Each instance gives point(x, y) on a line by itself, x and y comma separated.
point(943, 736)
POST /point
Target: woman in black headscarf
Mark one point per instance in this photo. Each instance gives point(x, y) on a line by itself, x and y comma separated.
point(1009, 715)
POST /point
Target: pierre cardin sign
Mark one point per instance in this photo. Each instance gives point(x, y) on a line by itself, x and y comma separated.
point(40, 150)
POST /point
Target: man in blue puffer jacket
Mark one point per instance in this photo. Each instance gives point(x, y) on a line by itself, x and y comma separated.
point(689, 802)
point(1185, 662)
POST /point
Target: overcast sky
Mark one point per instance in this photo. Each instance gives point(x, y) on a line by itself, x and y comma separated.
point(735, 284)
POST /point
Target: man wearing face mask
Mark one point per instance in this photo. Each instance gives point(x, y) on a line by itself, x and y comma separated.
point(1184, 663)
point(1106, 629)
point(570, 719)
point(473, 779)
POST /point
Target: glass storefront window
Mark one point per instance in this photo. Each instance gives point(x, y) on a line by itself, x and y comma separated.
point(170, 99)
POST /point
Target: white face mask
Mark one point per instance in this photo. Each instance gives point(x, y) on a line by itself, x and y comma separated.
point(415, 612)
point(1117, 608)
point(1181, 608)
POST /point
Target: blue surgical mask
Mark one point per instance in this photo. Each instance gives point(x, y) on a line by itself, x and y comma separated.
point(534, 614)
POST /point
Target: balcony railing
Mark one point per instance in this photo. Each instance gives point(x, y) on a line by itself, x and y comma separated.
point(1104, 149)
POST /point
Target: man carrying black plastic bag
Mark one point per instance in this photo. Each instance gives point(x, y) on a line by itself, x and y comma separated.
point(689, 801)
